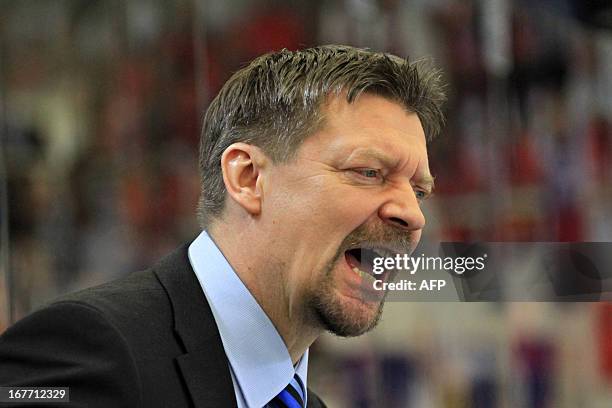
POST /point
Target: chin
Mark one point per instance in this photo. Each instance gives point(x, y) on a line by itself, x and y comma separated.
point(345, 316)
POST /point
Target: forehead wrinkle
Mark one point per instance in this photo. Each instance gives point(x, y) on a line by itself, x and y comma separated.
point(418, 173)
point(424, 177)
point(370, 152)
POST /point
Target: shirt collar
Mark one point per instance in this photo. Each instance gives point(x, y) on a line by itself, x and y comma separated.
point(256, 352)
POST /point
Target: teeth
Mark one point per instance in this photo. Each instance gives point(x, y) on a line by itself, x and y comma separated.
point(361, 273)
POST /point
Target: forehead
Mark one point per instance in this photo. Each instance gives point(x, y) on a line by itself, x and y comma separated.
point(370, 123)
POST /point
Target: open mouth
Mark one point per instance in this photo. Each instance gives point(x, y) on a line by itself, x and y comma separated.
point(361, 261)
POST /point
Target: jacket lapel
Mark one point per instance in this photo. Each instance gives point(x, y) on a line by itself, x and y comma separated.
point(314, 401)
point(204, 367)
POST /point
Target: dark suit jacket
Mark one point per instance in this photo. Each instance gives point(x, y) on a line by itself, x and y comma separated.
point(146, 340)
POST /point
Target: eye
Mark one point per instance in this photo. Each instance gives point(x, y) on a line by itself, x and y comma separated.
point(422, 194)
point(369, 174)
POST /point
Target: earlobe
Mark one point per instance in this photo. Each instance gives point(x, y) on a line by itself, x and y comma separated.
point(241, 165)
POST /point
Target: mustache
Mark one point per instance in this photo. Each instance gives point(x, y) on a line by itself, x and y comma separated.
point(376, 235)
point(379, 235)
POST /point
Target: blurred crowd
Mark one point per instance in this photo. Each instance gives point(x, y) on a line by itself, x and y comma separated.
point(102, 103)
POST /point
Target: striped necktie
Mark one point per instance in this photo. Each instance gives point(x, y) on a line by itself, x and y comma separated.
point(291, 397)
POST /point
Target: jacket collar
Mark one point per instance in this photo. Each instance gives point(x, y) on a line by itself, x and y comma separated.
point(259, 360)
point(204, 366)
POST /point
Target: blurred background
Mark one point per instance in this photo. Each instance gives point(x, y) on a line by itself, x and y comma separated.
point(101, 104)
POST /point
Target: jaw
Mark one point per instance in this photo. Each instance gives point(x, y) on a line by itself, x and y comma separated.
point(346, 316)
point(340, 306)
point(327, 292)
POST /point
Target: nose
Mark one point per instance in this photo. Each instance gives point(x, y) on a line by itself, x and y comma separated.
point(402, 211)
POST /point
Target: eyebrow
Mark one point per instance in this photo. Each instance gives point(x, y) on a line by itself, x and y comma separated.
point(376, 154)
point(426, 181)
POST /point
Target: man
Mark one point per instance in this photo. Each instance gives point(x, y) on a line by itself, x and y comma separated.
point(312, 162)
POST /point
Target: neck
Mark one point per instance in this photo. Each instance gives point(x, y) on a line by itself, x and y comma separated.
point(252, 261)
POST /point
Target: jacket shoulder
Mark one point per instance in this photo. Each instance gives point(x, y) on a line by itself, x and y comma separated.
point(123, 299)
point(71, 345)
point(107, 343)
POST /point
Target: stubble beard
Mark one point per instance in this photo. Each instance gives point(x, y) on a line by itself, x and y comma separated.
point(352, 317)
point(342, 317)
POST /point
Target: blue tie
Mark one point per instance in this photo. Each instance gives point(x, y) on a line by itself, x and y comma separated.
point(291, 397)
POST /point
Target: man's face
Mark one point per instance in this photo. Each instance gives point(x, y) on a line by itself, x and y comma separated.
point(352, 192)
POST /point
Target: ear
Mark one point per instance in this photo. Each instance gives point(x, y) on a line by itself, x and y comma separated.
point(241, 164)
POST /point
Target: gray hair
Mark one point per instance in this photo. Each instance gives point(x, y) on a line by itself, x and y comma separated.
point(275, 102)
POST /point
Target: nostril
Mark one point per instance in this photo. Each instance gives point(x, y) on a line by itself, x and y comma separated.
point(399, 221)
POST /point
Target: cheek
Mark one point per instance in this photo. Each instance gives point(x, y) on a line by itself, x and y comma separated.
point(339, 211)
point(357, 206)
point(317, 207)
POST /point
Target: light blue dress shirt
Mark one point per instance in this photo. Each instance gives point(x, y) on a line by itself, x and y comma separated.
point(260, 364)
